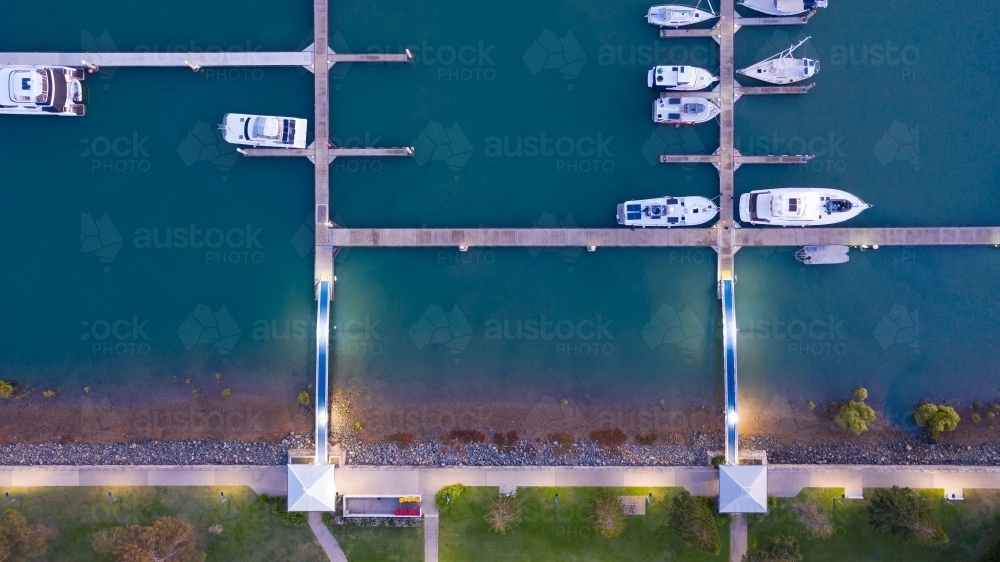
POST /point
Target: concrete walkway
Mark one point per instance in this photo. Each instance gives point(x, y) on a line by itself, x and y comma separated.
point(789, 480)
point(431, 538)
point(262, 479)
point(325, 538)
point(737, 537)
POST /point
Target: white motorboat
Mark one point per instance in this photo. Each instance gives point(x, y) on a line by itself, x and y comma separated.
point(783, 7)
point(683, 111)
point(799, 206)
point(45, 90)
point(264, 130)
point(675, 15)
point(667, 211)
point(678, 78)
point(783, 68)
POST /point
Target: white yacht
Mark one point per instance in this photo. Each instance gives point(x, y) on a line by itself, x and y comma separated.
point(676, 78)
point(783, 7)
point(783, 68)
point(683, 111)
point(674, 15)
point(51, 90)
point(263, 130)
point(667, 211)
point(799, 206)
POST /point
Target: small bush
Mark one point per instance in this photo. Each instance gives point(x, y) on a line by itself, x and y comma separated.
point(936, 419)
point(466, 436)
point(402, 440)
point(304, 398)
point(609, 437)
point(813, 519)
point(226, 393)
point(279, 505)
point(452, 492)
point(693, 520)
point(648, 439)
point(607, 514)
point(976, 418)
point(780, 548)
point(861, 394)
point(505, 441)
point(718, 460)
point(6, 389)
point(854, 417)
point(504, 514)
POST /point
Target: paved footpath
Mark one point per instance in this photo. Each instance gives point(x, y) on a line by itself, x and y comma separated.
point(325, 538)
point(262, 479)
point(431, 537)
point(737, 537)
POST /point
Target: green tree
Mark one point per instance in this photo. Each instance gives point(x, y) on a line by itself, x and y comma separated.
point(168, 538)
point(448, 494)
point(861, 393)
point(693, 520)
point(18, 541)
point(504, 514)
point(854, 417)
point(780, 548)
point(607, 514)
point(936, 419)
point(901, 513)
point(6, 389)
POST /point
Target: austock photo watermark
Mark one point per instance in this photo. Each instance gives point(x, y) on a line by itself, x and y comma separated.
point(122, 153)
point(116, 338)
point(586, 153)
point(827, 149)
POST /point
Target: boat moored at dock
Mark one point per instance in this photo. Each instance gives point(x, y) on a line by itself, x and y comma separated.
point(783, 68)
point(264, 130)
point(683, 111)
point(679, 77)
point(43, 90)
point(675, 15)
point(783, 7)
point(799, 206)
point(667, 212)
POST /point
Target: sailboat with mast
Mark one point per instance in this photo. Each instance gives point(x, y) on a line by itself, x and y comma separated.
point(783, 68)
point(676, 15)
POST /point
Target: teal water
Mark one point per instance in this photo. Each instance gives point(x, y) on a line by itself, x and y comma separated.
point(900, 116)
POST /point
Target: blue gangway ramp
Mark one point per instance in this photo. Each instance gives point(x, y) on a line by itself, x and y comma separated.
point(729, 342)
point(322, 365)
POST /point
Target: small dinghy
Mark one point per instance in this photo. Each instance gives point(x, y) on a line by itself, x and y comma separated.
point(675, 15)
point(679, 78)
point(783, 7)
point(783, 68)
point(683, 111)
point(822, 255)
point(667, 211)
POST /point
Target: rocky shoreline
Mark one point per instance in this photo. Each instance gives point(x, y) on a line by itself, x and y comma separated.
point(907, 451)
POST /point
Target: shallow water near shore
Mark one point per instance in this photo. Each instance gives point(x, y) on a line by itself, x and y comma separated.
point(212, 241)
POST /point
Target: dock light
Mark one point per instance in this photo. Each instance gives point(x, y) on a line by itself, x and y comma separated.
point(591, 248)
point(447, 498)
point(463, 248)
point(192, 66)
point(649, 499)
point(409, 55)
point(555, 499)
point(223, 498)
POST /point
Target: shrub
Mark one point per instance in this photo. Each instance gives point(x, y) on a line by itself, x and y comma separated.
point(975, 418)
point(718, 460)
point(811, 405)
point(780, 548)
point(693, 520)
point(647, 439)
point(168, 538)
point(861, 393)
point(936, 419)
point(901, 513)
point(505, 441)
point(452, 492)
point(609, 437)
point(466, 436)
point(854, 417)
point(402, 440)
point(813, 519)
point(279, 505)
point(6, 389)
point(304, 398)
point(607, 514)
point(504, 514)
point(226, 393)
point(18, 540)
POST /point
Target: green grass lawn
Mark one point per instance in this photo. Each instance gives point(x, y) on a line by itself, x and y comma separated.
point(380, 544)
point(972, 525)
point(548, 532)
point(250, 533)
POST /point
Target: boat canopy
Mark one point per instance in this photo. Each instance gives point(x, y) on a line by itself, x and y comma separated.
point(790, 6)
point(267, 127)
